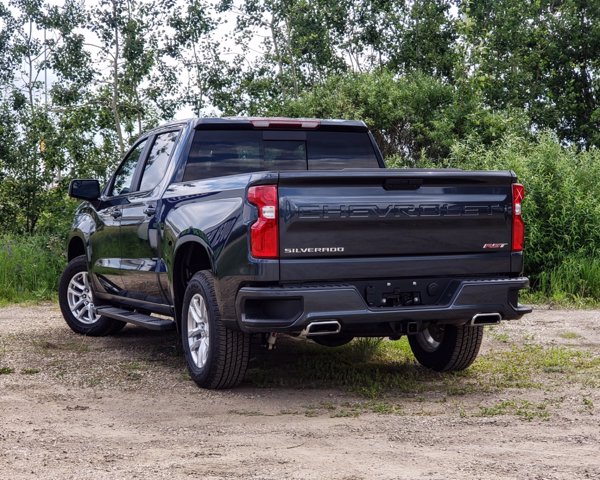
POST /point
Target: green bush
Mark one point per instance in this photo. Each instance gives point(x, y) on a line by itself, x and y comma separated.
point(30, 267)
point(411, 115)
point(574, 281)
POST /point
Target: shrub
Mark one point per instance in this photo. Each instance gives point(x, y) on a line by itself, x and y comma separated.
point(30, 267)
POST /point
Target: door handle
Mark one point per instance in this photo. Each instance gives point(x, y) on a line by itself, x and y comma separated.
point(116, 213)
point(150, 210)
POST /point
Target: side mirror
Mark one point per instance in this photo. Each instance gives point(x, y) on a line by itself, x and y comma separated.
point(85, 189)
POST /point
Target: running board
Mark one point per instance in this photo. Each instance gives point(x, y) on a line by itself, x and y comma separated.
point(136, 318)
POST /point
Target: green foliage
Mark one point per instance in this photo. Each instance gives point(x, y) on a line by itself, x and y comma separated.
point(304, 43)
point(561, 209)
point(541, 56)
point(429, 35)
point(30, 267)
point(575, 280)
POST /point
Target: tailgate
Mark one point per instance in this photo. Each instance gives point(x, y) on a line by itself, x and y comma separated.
point(395, 213)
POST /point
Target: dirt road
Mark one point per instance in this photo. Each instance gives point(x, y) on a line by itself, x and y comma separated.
point(122, 407)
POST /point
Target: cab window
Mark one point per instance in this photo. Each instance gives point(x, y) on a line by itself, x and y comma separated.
point(122, 183)
point(158, 160)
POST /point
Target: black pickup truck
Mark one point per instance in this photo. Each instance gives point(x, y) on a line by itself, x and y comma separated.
point(227, 227)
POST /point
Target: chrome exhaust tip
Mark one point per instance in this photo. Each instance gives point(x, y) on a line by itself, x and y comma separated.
point(329, 327)
point(486, 319)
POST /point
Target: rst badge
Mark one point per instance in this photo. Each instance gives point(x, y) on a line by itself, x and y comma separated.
point(495, 245)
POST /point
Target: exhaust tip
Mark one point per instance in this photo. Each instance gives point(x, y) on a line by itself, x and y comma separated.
point(486, 319)
point(329, 327)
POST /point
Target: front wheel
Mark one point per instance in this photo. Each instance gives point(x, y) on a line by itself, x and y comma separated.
point(216, 356)
point(447, 347)
point(76, 301)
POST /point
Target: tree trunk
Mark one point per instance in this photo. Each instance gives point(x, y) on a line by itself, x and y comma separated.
point(115, 89)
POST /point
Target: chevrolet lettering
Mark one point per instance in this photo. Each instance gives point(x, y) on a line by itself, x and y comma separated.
point(395, 211)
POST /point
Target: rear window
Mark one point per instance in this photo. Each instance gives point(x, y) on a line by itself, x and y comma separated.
point(216, 153)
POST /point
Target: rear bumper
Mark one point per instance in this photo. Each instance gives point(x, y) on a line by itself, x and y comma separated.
point(291, 309)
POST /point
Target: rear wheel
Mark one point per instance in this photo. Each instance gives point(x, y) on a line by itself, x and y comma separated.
point(76, 300)
point(216, 356)
point(447, 347)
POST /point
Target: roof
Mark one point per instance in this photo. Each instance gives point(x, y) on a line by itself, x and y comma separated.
point(279, 122)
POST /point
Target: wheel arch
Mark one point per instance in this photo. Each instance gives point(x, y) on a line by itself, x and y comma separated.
point(75, 248)
point(191, 255)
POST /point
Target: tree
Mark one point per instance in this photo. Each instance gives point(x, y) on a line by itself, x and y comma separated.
point(129, 51)
point(425, 40)
point(413, 117)
point(540, 56)
point(193, 46)
point(36, 37)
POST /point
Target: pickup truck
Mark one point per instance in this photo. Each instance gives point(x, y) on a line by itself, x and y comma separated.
point(222, 228)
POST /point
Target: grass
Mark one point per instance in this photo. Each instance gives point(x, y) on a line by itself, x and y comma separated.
point(6, 370)
point(366, 366)
point(30, 371)
point(29, 267)
point(569, 335)
point(502, 337)
point(523, 409)
point(377, 370)
point(558, 300)
point(246, 413)
point(576, 280)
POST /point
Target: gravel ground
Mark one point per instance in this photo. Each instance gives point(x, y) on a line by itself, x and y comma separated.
point(122, 407)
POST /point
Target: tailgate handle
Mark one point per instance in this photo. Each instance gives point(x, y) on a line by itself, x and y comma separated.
point(402, 183)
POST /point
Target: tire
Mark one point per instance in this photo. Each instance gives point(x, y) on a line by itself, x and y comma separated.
point(447, 348)
point(336, 340)
point(76, 300)
point(216, 356)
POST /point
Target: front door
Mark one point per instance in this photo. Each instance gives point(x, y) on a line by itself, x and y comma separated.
point(105, 241)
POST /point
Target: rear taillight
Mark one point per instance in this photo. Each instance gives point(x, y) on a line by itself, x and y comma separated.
point(518, 226)
point(264, 235)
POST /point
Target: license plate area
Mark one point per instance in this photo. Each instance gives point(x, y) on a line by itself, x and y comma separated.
point(397, 293)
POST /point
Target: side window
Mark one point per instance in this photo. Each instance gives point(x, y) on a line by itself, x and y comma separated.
point(124, 175)
point(158, 160)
